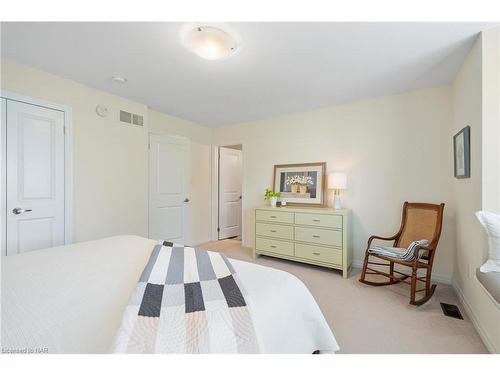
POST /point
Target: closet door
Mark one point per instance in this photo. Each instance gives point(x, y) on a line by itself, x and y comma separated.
point(35, 177)
point(168, 188)
point(3, 225)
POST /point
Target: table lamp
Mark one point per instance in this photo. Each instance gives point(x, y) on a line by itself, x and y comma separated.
point(337, 182)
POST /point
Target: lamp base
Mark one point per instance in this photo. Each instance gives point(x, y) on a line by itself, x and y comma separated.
point(337, 204)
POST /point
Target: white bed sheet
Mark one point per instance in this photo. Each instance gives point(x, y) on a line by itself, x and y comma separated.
point(70, 299)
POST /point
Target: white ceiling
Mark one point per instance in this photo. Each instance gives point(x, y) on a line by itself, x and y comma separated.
point(282, 67)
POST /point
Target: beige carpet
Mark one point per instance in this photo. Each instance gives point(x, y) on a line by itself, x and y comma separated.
point(368, 319)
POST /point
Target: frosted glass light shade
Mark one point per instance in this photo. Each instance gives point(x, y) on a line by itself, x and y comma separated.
point(209, 41)
point(337, 181)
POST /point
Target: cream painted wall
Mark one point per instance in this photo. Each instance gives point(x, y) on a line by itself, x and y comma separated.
point(200, 161)
point(109, 158)
point(491, 119)
point(392, 149)
point(471, 247)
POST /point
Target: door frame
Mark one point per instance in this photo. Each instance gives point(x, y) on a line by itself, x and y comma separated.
point(215, 189)
point(68, 163)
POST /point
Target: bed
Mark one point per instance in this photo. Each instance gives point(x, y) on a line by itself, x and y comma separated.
point(71, 299)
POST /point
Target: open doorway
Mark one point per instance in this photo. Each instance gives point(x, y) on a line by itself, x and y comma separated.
point(229, 192)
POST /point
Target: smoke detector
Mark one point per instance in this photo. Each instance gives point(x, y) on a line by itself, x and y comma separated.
point(119, 79)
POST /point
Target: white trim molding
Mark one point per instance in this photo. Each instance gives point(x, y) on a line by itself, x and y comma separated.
point(68, 155)
point(474, 319)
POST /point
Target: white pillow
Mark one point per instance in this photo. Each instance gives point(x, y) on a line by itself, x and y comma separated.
point(491, 223)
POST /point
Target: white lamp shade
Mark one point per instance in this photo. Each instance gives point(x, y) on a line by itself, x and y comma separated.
point(337, 181)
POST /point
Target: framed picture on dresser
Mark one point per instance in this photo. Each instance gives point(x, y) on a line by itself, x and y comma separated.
point(301, 184)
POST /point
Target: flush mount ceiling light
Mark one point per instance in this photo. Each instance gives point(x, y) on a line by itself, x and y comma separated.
point(210, 41)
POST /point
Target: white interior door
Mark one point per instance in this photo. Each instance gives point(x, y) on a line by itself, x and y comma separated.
point(35, 177)
point(3, 157)
point(229, 192)
point(168, 188)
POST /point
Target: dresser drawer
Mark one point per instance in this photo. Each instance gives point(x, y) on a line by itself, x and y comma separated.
point(319, 220)
point(274, 246)
point(320, 254)
point(274, 230)
point(274, 216)
point(319, 236)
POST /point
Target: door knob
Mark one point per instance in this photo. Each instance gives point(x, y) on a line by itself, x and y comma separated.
point(186, 200)
point(18, 210)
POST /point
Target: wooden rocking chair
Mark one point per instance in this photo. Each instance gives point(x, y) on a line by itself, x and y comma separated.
point(420, 221)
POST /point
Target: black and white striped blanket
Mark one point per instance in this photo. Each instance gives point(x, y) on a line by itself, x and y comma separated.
point(399, 253)
point(187, 300)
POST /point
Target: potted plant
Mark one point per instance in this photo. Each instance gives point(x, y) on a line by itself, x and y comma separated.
point(272, 197)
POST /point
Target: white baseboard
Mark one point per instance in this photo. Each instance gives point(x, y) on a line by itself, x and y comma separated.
point(357, 264)
point(474, 319)
point(444, 279)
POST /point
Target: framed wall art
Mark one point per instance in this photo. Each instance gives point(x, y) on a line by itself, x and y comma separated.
point(461, 153)
point(301, 184)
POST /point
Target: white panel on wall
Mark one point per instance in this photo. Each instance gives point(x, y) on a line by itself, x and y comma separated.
point(170, 171)
point(35, 234)
point(36, 157)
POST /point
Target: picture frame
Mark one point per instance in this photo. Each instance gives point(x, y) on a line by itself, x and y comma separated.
point(461, 153)
point(301, 184)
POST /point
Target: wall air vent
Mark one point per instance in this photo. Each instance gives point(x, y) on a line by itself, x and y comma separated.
point(137, 120)
point(126, 117)
point(131, 118)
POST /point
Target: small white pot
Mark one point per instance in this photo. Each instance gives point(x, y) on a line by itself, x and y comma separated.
point(273, 201)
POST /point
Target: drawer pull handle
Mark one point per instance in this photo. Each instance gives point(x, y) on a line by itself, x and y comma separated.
point(272, 246)
point(316, 253)
point(317, 220)
point(272, 231)
point(315, 236)
point(272, 217)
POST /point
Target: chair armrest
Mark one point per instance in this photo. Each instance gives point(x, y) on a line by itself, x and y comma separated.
point(421, 247)
point(381, 238)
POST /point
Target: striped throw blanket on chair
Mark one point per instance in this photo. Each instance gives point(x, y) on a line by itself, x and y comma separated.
point(398, 253)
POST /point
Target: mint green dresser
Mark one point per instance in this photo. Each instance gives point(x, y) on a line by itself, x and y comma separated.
point(317, 236)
